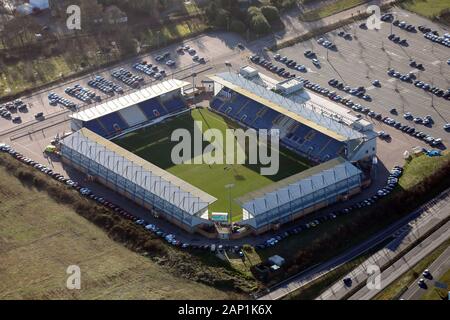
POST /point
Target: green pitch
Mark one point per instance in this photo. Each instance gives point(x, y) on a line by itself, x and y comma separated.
point(153, 144)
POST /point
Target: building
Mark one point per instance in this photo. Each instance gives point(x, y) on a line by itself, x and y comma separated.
point(335, 141)
point(133, 110)
point(136, 179)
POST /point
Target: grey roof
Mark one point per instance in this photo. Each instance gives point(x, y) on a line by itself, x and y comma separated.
point(314, 116)
point(298, 186)
point(141, 172)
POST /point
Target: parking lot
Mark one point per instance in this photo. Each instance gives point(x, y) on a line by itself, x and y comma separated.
point(128, 75)
point(363, 56)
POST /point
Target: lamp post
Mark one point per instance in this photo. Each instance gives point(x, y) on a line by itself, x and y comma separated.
point(229, 187)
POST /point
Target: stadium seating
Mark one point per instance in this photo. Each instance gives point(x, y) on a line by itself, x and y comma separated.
point(152, 109)
point(113, 123)
point(174, 105)
point(133, 116)
point(95, 126)
point(303, 139)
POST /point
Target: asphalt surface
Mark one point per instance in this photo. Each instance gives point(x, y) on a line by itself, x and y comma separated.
point(31, 137)
point(429, 216)
point(439, 266)
point(413, 225)
point(406, 262)
point(368, 56)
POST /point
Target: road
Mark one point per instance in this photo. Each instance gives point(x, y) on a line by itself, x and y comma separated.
point(416, 223)
point(431, 215)
point(437, 269)
point(408, 261)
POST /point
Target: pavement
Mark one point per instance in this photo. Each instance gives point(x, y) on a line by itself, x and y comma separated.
point(431, 215)
point(408, 228)
point(31, 137)
point(407, 262)
point(437, 269)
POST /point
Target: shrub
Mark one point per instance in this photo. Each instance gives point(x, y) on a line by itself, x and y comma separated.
point(238, 26)
point(259, 24)
point(271, 13)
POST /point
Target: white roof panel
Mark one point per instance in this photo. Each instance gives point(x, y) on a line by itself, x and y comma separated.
point(129, 100)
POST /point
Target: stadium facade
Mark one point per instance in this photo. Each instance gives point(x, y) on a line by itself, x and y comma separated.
point(322, 132)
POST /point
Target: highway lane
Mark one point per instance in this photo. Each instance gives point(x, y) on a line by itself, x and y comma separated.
point(437, 269)
point(430, 215)
point(426, 213)
point(410, 259)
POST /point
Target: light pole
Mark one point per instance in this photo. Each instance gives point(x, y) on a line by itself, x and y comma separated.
point(228, 64)
point(193, 86)
point(229, 187)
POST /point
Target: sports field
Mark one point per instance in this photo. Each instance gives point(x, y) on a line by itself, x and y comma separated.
point(153, 144)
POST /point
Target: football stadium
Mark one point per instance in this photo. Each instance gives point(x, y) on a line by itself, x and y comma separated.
point(125, 144)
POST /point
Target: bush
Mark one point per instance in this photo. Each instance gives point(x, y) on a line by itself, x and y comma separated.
point(238, 26)
point(259, 24)
point(271, 13)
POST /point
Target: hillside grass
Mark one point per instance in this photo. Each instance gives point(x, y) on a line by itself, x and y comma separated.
point(426, 8)
point(330, 9)
point(40, 238)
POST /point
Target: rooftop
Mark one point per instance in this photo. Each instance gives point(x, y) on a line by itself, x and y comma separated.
point(129, 100)
point(143, 173)
point(331, 125)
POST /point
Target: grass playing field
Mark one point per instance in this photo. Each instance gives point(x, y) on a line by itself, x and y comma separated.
point(153, 144)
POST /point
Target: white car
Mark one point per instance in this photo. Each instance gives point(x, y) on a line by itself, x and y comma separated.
point(316, 62)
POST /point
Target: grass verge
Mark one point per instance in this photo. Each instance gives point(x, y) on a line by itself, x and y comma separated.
point(427, 8)
point(330, 9)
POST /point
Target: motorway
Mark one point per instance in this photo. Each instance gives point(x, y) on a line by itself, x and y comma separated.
point(413, 226)
point(431, 215)
point(408, 261)
point(218, 47)
point(439, 266)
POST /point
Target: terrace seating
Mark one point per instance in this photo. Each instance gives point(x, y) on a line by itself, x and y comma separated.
point(174, 105)
point(133, 116)
point(113, 123)
point(306, 141)
point(152, 109)
point(96, 127)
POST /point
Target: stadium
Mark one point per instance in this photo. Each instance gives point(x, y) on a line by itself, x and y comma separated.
point(124, 144)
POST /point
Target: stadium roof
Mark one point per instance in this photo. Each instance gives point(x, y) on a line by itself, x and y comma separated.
point(297, 186)
point(129, 100)
point(141, 172)
point(299, 112)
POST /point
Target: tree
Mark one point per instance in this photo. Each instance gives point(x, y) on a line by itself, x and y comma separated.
point(259, 24)
point(238, 26)
point(270, 12)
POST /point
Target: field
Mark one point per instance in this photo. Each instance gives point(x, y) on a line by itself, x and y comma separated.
point(40, 238)
point(330, 9)
point(153, 144)
point(427, 8)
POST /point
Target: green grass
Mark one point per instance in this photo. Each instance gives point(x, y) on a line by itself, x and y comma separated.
point(153, 144)
point(171, 32)
point(420, 167)
point(437, 294)
point(427, 8)
point(394, 289)
point(40, 238)
point(329, 10)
